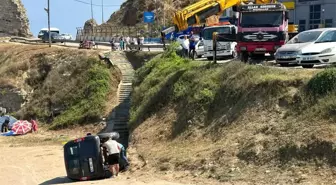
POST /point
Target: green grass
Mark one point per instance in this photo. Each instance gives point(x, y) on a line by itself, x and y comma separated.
point(205, 92)
point(77, 85)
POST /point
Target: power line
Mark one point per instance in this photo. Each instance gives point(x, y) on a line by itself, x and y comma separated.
point(80, 1)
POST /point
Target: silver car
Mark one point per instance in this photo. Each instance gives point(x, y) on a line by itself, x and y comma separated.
point(288, 53)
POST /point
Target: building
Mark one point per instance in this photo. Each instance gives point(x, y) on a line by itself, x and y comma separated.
point(308, 14)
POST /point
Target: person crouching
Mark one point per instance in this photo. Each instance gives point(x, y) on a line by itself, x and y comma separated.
point(113, 150)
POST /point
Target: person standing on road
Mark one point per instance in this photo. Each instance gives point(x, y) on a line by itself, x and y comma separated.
point(113, 150)
point(127, 43)
point(185, 46)
point(4, 126)
point(192, 45)
point(123, 154)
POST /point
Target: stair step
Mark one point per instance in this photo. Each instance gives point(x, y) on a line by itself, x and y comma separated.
point(120, 129)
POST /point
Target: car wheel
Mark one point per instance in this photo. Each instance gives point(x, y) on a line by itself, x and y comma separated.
point(244, 57)
point(308, 66)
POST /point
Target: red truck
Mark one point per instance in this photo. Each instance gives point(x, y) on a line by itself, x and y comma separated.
point(262, 28)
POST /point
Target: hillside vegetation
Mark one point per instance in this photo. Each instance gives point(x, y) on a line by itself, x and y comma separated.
point(235, 122)
point(63, 86)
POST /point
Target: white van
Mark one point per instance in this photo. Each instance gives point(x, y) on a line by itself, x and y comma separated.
point(45, 30)
point(224, 47)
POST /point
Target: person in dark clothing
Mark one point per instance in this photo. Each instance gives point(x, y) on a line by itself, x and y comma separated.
point(192, 45)
point(4, 126)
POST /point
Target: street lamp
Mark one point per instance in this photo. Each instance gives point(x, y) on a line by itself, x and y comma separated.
point(48, 12)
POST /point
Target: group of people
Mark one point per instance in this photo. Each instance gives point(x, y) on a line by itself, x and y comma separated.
point(189, 46)
point(112, 151)
point(122, 43)
point(5, 124)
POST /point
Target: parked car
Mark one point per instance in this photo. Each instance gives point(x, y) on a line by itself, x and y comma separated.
point(287, 54)
point(54, 37)
point(66, 36)
point(322, 51)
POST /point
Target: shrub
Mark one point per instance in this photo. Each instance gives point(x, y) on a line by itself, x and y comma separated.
point(323, 82)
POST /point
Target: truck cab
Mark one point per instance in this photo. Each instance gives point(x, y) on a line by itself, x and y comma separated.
point(262, 28)
point(226, 41)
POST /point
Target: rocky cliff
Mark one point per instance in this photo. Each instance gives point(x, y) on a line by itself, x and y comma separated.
point(131, 12)
point(13, 19)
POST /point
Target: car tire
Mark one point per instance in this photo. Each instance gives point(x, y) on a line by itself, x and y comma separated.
point(244, 57)
point(210, 58)
point(308, 66)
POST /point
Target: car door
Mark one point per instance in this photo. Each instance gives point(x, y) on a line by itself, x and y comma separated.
point(200, 48)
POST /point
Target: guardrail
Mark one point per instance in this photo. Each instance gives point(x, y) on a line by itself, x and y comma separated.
point(36, 40)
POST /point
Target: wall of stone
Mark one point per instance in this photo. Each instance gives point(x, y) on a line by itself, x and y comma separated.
point(13, 19)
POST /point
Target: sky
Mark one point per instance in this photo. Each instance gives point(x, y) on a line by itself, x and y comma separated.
point(67, 15)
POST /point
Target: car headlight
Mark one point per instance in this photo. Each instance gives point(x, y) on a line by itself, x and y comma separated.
point(326, 51)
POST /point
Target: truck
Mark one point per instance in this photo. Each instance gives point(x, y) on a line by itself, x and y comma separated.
point(262, 28)
point(225, 47)
point(207, 12)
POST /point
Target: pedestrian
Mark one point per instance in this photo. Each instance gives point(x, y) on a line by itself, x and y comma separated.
point(121, 42)
point(34, 125)
point(5, 124)
point(185, 46)
point(192, 45)
point(112, 44)
point(127, 42)
point(138, 41)
point(113, 151)
point(123, 155)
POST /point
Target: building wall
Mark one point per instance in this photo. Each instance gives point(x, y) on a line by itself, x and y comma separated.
point(13, 19)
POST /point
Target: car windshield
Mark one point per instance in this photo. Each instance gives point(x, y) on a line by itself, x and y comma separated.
point(303, 37)
point(328, 36)
point(207, 33)
point(261, 19)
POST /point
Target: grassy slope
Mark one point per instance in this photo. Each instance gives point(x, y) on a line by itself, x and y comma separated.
point(72, 80)
point(236, 122)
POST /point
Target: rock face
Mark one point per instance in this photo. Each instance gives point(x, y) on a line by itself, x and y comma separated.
point(13, 19)
point(131, 11)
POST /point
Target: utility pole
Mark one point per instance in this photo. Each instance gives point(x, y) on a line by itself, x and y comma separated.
point(102, 11)
point(91, 10)
point(49, 34)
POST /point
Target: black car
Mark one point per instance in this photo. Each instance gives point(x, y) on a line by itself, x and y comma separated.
point(84, 159)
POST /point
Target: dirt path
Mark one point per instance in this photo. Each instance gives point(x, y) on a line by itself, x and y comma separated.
point(44, 165)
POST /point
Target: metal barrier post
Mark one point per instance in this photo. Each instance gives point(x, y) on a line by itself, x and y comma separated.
point(214, 46)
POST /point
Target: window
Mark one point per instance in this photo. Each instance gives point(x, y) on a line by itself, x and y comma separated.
point(314, 16)
point(302, 25)
point(328, 23)
point(307, 36)
point(329, 36)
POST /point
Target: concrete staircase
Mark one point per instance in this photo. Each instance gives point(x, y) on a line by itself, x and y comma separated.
point(119, 118)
